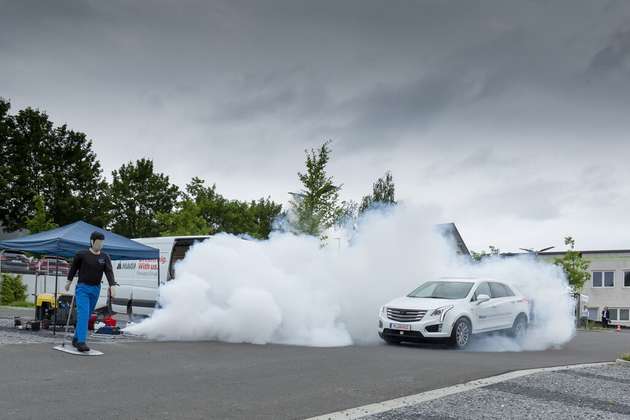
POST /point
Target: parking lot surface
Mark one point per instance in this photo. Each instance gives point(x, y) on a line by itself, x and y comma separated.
point(201, 380)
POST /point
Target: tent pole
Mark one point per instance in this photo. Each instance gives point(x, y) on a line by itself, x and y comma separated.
point(56, 303)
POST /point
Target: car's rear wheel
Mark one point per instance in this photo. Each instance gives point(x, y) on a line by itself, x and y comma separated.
point(519, 328)
point(461, 334)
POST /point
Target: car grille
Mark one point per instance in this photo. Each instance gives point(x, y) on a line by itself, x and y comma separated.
point(398, 333)
point(405, 315)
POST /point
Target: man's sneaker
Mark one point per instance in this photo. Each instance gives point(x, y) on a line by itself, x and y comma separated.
point(82, 347)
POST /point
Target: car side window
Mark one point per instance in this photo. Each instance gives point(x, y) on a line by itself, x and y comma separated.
point(483, 289)
point(498, 290)
point(508, 290)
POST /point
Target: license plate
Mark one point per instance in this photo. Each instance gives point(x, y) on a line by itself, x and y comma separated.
point(402, 327)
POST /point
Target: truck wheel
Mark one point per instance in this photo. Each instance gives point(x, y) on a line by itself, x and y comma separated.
point(461, 334)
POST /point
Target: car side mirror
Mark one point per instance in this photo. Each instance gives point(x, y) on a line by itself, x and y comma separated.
point(482, 298)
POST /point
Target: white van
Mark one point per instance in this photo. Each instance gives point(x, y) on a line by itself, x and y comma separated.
point(139, 281)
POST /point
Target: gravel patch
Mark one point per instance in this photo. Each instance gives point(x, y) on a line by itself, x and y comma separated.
point(586, 393)
point(574, 387)
point(11, 335)
point(493, 405)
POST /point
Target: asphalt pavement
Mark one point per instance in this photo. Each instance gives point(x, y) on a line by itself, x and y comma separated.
point(203, 380)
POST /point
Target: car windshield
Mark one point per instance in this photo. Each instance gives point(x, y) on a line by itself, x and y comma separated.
point(442, 290)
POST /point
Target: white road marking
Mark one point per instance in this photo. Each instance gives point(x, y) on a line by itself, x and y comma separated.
point(381, 407)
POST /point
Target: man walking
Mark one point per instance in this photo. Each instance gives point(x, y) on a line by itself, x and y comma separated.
point(91, 264)
point(605, 317)
point(585, 317)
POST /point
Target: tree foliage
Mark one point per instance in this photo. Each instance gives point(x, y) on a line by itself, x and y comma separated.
point(315, 208)
point(491, 252)
point(56, 163)
point(187, 220)
point(203, 211)
point(574, 266)
point(138, 195)
point(40, 222)
point(12, 289)
point(383, 192)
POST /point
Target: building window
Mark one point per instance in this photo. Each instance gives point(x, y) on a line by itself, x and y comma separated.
point(626, 279)
point(593, 314)
point(624, 314)
point(613, 314)
point(603, 279)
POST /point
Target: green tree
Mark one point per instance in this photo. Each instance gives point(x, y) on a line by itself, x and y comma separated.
point(383, 192)
point(138, 195)
point(491, 252)
point(56, 163)
point(187, 220)
point(315, 207)
point(262, 214)
point(210, 203)
point(40, 222)
point(201, 202)
point(6, 133)
point(12, 289)
point(349, 213)
point(574, 266)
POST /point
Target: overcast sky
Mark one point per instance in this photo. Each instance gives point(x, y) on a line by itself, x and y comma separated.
point(512, 116)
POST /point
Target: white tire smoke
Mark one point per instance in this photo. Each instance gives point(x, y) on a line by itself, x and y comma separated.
point(290, 290)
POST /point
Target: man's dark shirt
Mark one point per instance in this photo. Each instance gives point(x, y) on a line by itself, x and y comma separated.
point(91, 268)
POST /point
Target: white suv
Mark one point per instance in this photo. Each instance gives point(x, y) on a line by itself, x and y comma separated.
point(453, 309)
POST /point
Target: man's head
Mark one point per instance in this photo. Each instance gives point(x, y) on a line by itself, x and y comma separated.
point(96, 241)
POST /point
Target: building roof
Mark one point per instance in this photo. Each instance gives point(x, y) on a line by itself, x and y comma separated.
point(560, 253)
point(597, 251)
point(450, 230)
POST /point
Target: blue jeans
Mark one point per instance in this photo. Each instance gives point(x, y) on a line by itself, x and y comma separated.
point(85, 298)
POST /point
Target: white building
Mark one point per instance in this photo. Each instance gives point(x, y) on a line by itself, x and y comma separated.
point(609, 284)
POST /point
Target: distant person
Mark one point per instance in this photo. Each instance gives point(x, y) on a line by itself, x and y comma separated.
point(91, 264)
point(605, 317)
point(585, 317)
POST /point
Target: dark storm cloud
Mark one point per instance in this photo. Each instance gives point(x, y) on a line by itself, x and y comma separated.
point(615, 56)
point(494, 109)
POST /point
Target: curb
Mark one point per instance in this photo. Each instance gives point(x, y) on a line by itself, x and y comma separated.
point(622, 362)
point(381, 407)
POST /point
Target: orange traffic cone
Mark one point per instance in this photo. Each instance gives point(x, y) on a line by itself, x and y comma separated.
point(618, 328)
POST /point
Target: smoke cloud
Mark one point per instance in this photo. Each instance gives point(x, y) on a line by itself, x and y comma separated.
point(291, 290)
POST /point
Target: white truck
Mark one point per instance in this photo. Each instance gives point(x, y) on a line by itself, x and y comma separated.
point(139, 281)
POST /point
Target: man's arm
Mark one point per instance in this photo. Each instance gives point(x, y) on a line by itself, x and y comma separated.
point(109, 272)
point(76, 265)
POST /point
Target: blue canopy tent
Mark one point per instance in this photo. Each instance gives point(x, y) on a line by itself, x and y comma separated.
point(67, 240)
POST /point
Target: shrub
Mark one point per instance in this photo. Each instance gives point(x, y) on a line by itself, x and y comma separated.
point(12, 289)
point(626, 357)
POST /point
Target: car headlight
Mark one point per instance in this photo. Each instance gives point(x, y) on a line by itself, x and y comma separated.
point(441, 312)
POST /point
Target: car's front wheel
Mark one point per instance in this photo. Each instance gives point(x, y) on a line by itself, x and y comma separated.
point(461, 334)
